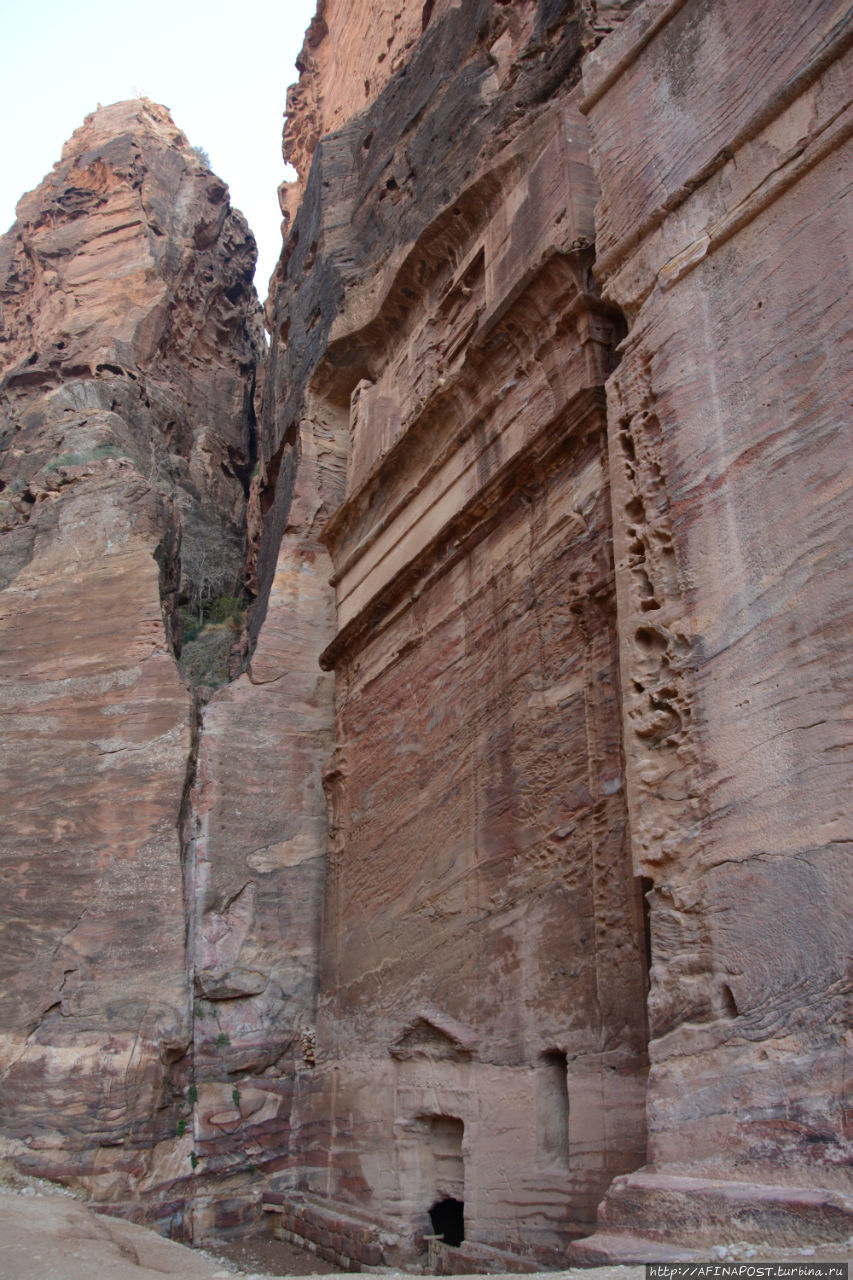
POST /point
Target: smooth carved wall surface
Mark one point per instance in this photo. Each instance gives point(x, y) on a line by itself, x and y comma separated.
point(482, 926)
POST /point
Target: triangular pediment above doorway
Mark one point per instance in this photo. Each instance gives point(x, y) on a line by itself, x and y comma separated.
point(431, 1033)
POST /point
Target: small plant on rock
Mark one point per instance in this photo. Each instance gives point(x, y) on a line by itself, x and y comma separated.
point(208, 630)
point(90, 455)
point(225, 609)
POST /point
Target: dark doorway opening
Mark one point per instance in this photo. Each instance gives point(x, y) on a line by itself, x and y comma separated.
point(448, 1220)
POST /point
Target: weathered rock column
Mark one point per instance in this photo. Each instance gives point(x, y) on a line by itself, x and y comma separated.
point(129, 341)
point(722, 147)
point(258, 852)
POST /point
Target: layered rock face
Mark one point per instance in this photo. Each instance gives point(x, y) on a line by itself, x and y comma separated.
point(497, 908)
point(723, 231)
point(129, 340)
point(476, 667)
point(256, 857)
point(480, 1030)
point(481, 1005)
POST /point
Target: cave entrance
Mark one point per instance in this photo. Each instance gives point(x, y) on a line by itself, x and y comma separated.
point(448, 1220)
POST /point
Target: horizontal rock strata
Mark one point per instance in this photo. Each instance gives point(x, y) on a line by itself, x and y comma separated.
point(495, 912)
point(436, 296)
point(435, 312)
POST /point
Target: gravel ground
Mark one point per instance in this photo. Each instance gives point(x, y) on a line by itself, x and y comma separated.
point(269, 1257)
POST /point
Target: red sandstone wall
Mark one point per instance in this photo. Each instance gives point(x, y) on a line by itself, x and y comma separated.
point(480, 912)
point(581, 646)
point(258, 860)
point(129, 337)
point(488, 705)
point(721, 139)
point(708, 145)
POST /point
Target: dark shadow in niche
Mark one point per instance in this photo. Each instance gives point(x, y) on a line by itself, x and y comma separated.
point(448, 1220)
point(646, 887)
point(552, 1106)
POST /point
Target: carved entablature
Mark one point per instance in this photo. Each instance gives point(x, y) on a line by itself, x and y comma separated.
point(484, 351)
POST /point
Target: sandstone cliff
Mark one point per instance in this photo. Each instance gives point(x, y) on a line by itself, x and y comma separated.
point(129, 339)
point(723, 234)
point(510, 844)
point(438, 354)
point(501, 895)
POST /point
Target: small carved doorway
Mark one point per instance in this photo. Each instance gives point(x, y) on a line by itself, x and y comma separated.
point(441, 1176)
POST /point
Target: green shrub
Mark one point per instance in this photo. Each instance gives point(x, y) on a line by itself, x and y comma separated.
point(191, 624)
point(90, 455)
point(208, 632)
point(222, 1040)
point(223, 608)
point(211, 613)
point(204, 658)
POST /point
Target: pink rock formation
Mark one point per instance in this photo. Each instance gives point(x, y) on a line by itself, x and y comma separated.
point(481, 1011)
point(130, 333)
point(480, 1032)
point(723, 232)
point(476, 665)
point(257, 857)
point(513, 901)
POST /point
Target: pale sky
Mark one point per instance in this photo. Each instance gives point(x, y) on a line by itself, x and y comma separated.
point(221, 68)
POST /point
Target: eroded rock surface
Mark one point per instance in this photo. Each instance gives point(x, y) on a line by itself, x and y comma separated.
point(257, 859)
point(514, 892)
point(44, 1235)
point(723, 232)
point(129, 338)
point(496, 884)
point(435, 311)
